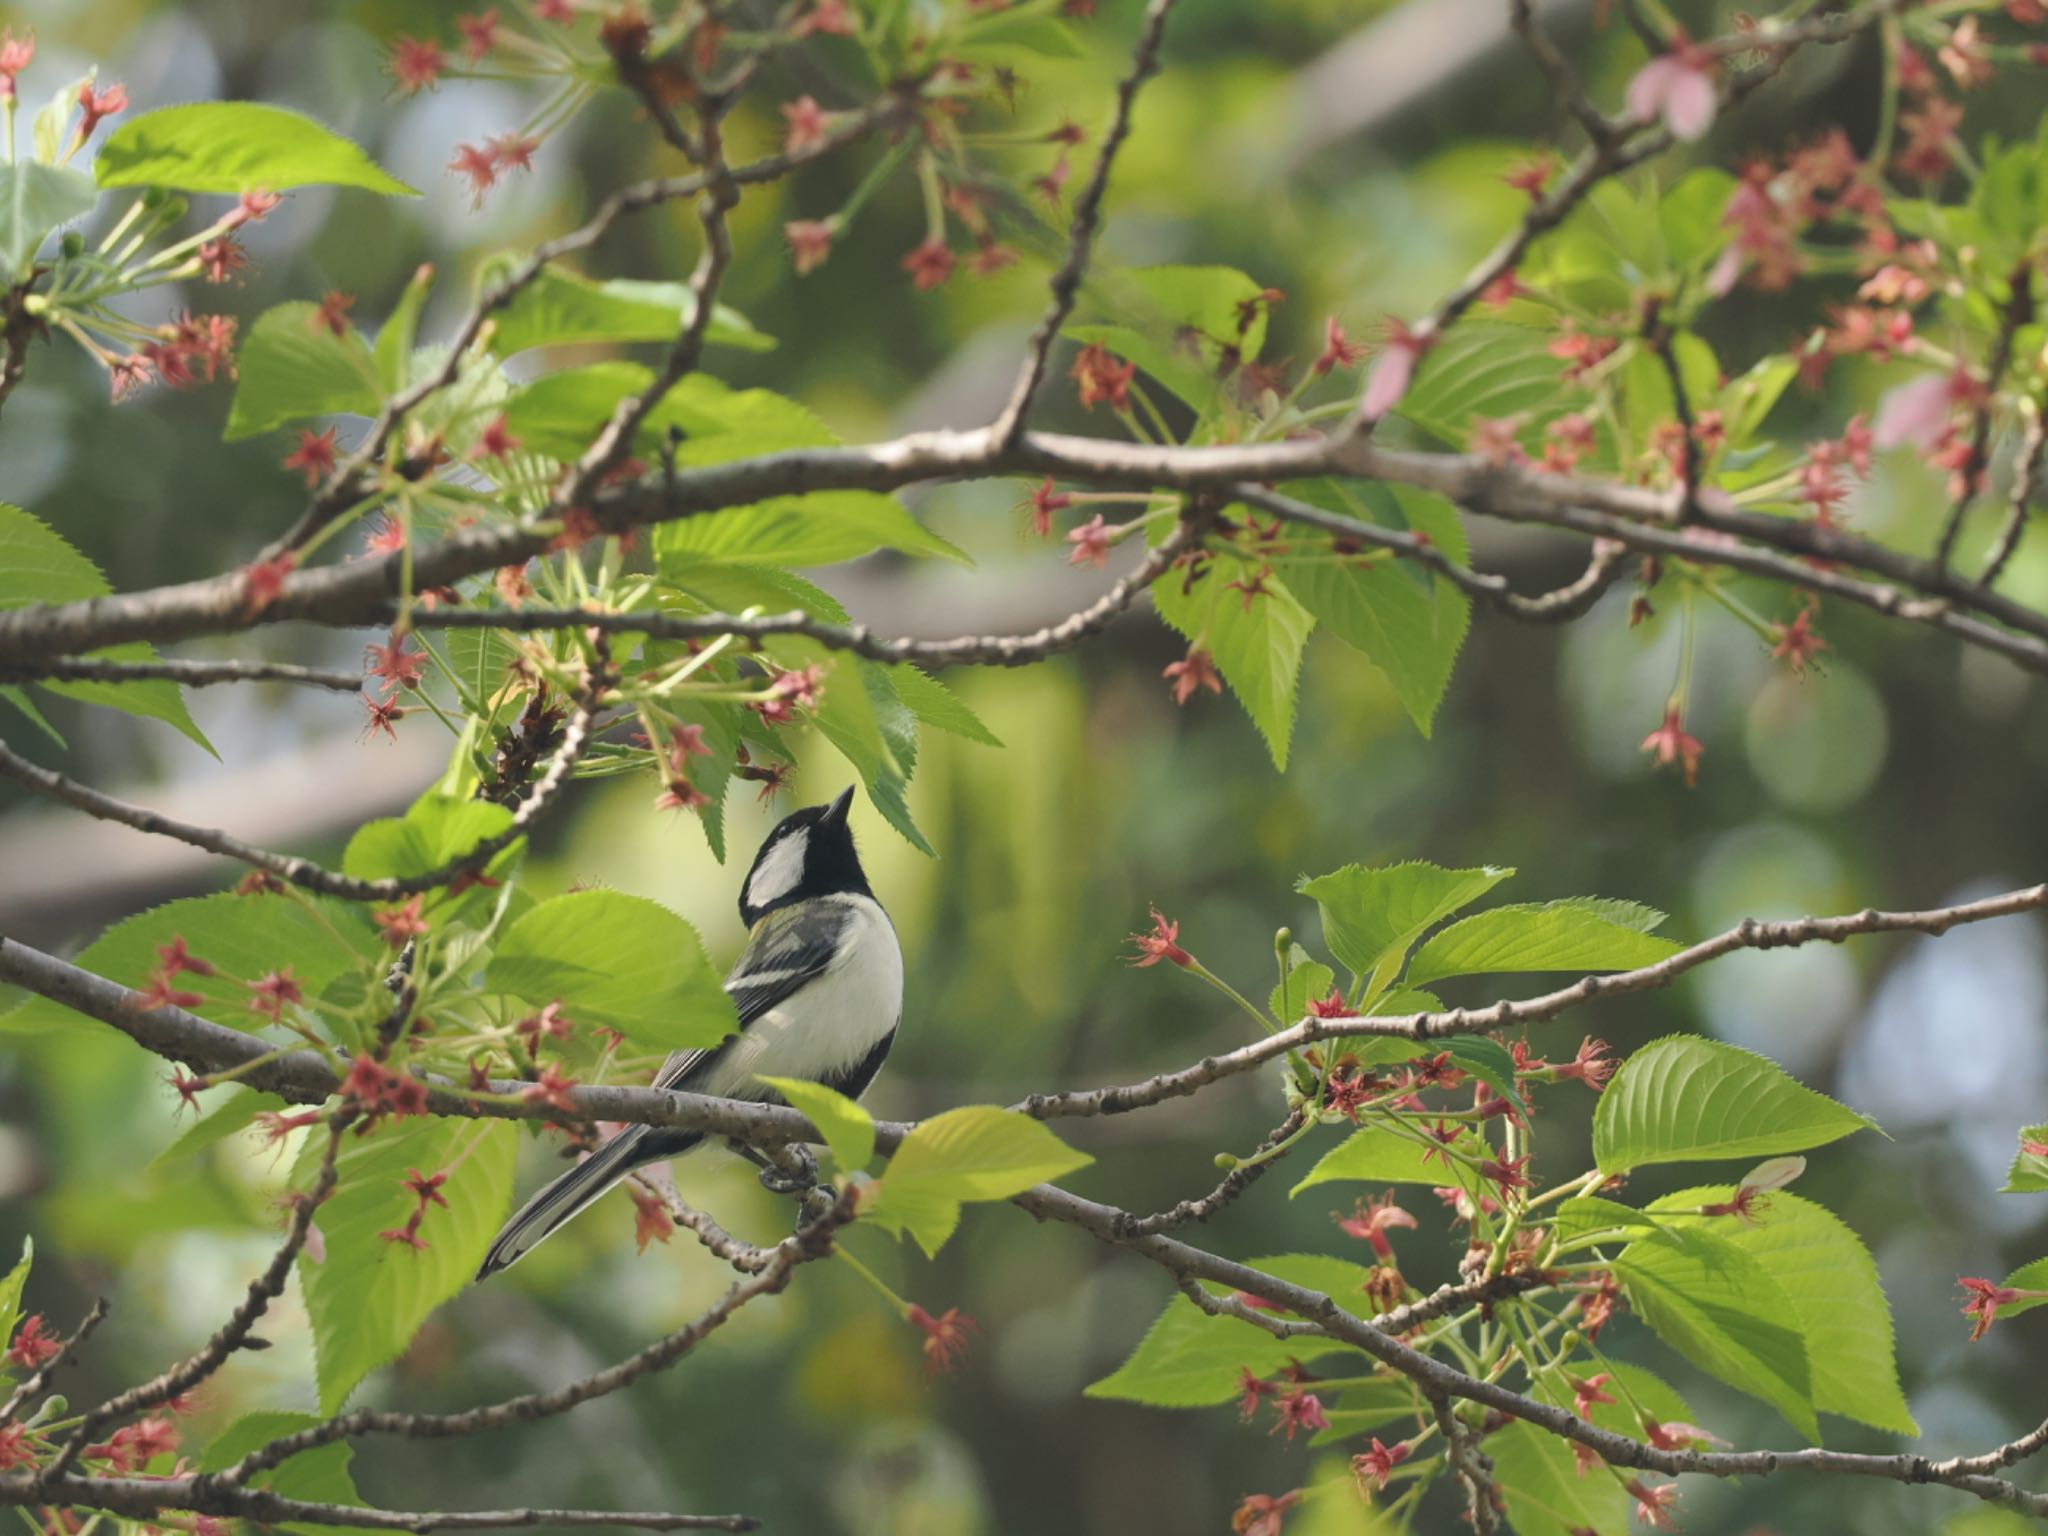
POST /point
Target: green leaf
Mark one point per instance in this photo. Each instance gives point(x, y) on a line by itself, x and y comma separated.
point(319, 1476)
point(873, 730)
point(972, 1154)
point(1257, 646)
point(1409, 623)
point(37, 565)
point(2028, 1277)
point(1017, 32)
point(368, 1296)
point(435, 831)
point(2029, 1172)
point(11, 1289)
point(1553, 936)
point(560, 309)
point(619, 961)
point(1189, 1359)
point(19, 698)
point(937, 705)
point(400, 333)
point(292, 369)
point(1685, 1100)
point(233, 1115)
point(1376, 1155)
point(1545, 1493)
point(1175, 322)
point(34, 200)
point(1591, 1213)
point(1837, 1302)
point(242, 937)
point(1307, 981)
point(1485, 369)
point(821, 528)
point(848, 1129)
point(1720, 1308)
point(235, 147)
point(1371, 917)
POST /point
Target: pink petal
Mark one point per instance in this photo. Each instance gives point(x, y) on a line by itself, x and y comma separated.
point(1389, 381)
point(1689, 103)
point(1651, 87)
point(1915, 413)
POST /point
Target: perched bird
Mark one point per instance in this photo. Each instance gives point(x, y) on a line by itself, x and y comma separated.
point(818, 989)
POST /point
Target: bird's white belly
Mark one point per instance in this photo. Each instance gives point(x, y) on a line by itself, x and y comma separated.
point(830, 1024)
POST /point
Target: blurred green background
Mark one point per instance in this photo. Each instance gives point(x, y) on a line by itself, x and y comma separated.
point(1349, 155)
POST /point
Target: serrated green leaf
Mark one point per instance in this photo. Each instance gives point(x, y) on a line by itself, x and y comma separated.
point(1411, 629)
point(559, 308)
point(938, 706)
point(849, 1130)
point(368, 1296)
point(235, 147)
point(1485, 369)
point(1720, 1308)
point(34, 200)
point(1256, 645)
point(1372, 917)
point(1683, 1099)
point(38, 565)
point(291, 369)
point(1178, 322)
point(1005, 33)
point(1552, 936)
point(820, 528)
point(1545, 1494)
point(319, 1476)
point(2029, 1172)
point(1591, 1213)
point(617, 961)
point(973, 1154)
point(1375, 1155)
point(1838, 1304)
point(1189, 1359)
point(242, 937)
point(2028, 1277)
point(21, 701)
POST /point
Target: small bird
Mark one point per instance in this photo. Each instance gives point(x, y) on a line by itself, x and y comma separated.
point(818, 989)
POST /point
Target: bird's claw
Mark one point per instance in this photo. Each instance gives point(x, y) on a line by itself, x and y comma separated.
point(793, 1175)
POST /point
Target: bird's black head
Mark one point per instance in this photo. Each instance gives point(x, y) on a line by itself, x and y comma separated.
point(810, 853)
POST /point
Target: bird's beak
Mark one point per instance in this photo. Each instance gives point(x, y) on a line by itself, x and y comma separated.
point(835, 813)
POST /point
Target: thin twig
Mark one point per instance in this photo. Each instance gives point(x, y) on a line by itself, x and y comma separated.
point(2019, 312)
point(32, 1385)
point(2026, 485)
point(191, 674)
point(1066, 281)
point(304, 873)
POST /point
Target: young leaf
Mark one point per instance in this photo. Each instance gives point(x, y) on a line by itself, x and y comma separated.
point(559, 309)
point(1484, 368)
point(615, 960)
point(1554, 936)
point(369, 1295)
point(292, 369)
point(1410, 623)
point(1190, 1359)
point(235, 147)
point(2029, 1172)
point(241, 937)
point(400, 333)
point(848, 1129)
point(1721, 1309)
point(319, 1476)
point(11, 1289)
point(236, 1113)
point(1372, 916)
point(822, 528)
point(37, 565)
point(1176, 322)
point(1683, 1099)
point(1376, 1155)
point(34, 200)
point(1256, 642)
point(435, 831)
point(1307, 981)
point(971, 1154)
point(1545, 1493)
point(1837, 1303)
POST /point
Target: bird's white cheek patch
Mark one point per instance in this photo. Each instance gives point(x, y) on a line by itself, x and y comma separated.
point(780, 869)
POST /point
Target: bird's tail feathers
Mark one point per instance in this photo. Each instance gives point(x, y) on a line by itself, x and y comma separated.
point(567, 1195)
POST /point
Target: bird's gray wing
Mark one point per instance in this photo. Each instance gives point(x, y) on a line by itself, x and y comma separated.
point(788, 949)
